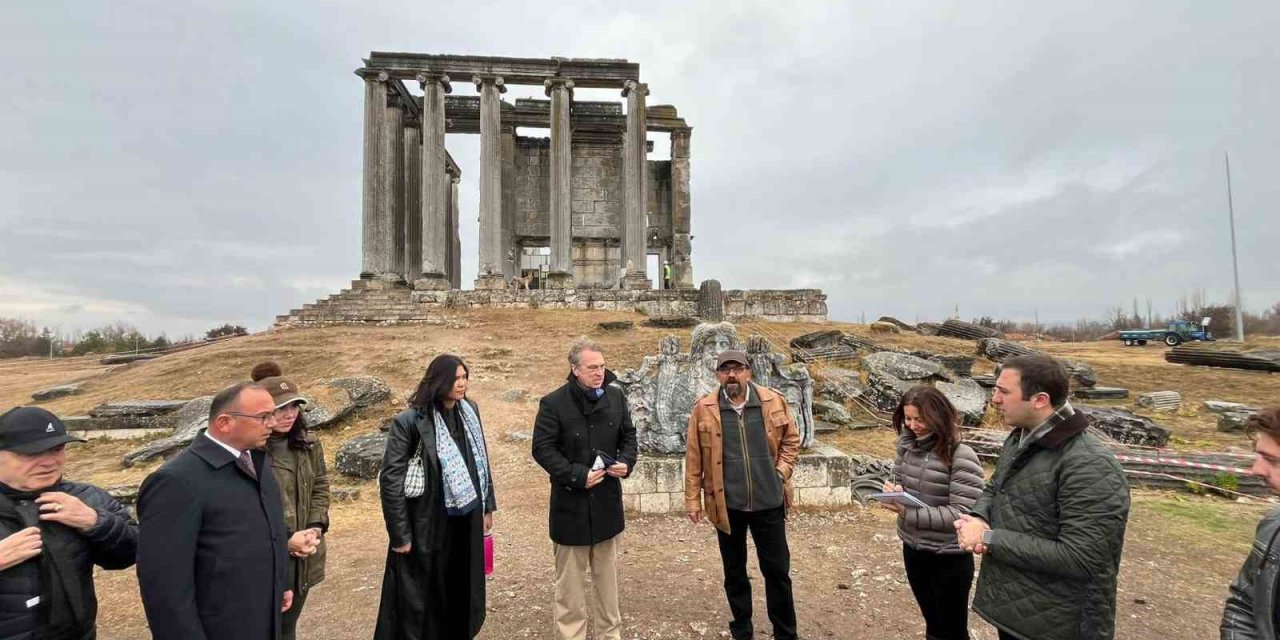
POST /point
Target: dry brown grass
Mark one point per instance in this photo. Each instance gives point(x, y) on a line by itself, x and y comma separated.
point(1143, 369)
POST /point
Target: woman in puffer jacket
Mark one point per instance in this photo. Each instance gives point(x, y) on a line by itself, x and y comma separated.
point(934, 466)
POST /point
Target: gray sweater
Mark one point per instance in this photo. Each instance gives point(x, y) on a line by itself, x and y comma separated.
point(949, 492)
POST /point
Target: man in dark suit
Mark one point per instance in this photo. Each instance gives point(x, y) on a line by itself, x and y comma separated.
point(212, 549)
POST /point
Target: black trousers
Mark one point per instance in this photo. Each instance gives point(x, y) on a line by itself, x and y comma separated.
point(941, 584)
point(768, 531)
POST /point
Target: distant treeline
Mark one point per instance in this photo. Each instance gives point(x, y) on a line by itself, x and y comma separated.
point(19, 338)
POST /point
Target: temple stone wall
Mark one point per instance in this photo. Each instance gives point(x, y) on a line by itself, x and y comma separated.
point(595, 261)
point(596, 207)
point(596, 190)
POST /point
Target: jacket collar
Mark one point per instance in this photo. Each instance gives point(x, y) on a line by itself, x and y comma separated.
point(585, 404)
point(210, 452)
point(753, 397)
point(609, 378)
point(908, 441)
point(1068, 428)
point(765, 394)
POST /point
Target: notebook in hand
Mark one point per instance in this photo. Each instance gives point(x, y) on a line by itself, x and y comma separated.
point(901, 497)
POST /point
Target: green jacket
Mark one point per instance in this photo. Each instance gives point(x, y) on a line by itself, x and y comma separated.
point(1057, 511)
point(304, 487)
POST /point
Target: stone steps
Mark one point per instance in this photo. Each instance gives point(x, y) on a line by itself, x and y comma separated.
point(364, 302)
point(384, 302)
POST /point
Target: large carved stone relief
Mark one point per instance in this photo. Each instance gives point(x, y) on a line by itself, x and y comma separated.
point(662, 391)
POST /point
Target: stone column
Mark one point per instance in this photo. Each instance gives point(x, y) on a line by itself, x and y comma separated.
point(389, 258)
point(490, 272)
point(560, 273)
point(635, 193)
point(412, 202)
point(681, 240)
point(510, 259)
point(455, 241)
point(396, 187)
point(375, 101)
point(435, 185)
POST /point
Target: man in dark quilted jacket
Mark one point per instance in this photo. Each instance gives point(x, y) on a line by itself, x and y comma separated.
point(1050, 523)
point(52, 533)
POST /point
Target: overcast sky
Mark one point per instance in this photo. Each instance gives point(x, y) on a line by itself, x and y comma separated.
point(176, 166)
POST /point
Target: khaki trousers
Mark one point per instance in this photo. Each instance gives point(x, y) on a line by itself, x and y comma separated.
point(573, 564)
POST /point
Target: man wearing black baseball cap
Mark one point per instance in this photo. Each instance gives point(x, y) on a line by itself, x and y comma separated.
point(52, 532)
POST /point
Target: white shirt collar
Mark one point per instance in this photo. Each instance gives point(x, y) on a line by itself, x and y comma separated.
point(235, 452)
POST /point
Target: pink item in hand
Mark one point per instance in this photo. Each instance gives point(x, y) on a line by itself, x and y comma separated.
point(488, 554)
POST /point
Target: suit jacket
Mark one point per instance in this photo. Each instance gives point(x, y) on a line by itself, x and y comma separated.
point(212, 547)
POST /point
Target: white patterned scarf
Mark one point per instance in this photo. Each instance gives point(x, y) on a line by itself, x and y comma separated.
point(460, 495)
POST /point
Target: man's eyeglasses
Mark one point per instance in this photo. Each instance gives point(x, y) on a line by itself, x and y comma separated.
point(732, 368)
point(264, 418)
point(593, 368)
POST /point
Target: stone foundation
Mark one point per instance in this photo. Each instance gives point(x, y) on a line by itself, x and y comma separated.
point(821, 479)
point(373, 301)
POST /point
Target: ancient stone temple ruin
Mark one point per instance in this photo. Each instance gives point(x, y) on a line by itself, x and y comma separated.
point(571, 210)
point(579, 219)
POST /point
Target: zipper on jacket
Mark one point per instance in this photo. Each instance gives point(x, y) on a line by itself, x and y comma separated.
point(746, 455)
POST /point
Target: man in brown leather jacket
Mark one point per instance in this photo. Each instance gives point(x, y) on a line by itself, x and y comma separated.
point(740, 449)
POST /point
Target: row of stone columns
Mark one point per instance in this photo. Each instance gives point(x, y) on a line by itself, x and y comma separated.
point(410, 216)
point(410, 192)
point(635, 184)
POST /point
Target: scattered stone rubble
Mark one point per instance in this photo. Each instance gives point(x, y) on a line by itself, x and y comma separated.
point(1232, 416)
point(960, 329)
point(1161, 400)
point(1124, 426)
point(999, 350)
point(361, 456)
point(331, 402)
point(60, 391)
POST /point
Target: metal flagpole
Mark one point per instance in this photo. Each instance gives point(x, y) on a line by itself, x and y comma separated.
point(1235, 266)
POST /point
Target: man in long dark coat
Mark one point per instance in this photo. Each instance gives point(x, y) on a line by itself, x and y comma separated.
point(584, 438)
point(212, 543)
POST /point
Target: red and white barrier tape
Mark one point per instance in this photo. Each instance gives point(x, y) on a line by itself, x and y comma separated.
point(1182, 463)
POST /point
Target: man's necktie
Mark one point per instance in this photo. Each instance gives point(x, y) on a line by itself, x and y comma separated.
point(246, 463)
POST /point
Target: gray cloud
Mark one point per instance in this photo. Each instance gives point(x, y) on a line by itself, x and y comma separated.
point(178, 167)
